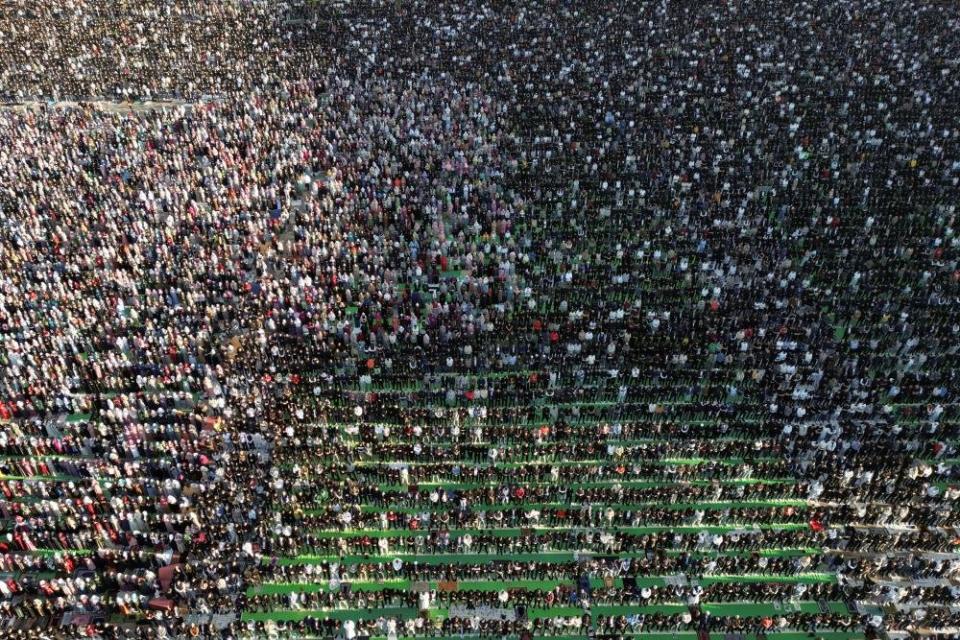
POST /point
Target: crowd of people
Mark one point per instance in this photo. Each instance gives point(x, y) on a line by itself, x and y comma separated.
point(430, 318)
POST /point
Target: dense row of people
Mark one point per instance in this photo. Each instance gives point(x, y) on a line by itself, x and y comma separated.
point(657, 302)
